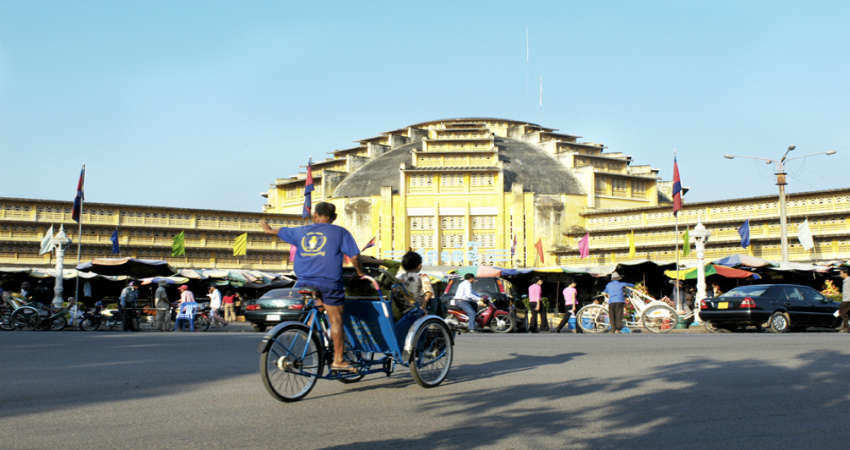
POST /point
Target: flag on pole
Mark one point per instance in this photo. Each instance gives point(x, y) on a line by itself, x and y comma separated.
point(539, 247)
point(178, 245)
point(513, 248)
point(677, 188)
point(47, 242)
point(308, 188)
point(78, 199)
point(686, 248)
point(744, 232)
point(632, 250)
point(369, 244)
point(240, 248)
point(804, 234)
point(584, 246)
point(115, 247)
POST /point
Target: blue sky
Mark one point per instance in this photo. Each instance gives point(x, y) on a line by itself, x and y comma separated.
point(203, 104)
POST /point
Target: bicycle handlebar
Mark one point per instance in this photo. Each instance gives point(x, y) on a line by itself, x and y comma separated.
point(374, 283)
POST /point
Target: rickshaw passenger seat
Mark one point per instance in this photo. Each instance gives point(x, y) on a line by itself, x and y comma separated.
point(310, 290)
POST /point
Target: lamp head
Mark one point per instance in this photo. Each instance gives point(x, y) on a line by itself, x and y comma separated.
point(831, 152)
point(729, 156)
point(791, 147)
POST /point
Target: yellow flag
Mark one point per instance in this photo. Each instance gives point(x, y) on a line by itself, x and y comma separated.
point(632, 245)
point(240, 248)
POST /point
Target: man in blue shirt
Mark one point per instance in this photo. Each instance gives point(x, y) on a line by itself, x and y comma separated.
point(318, 263)
point(616, 302)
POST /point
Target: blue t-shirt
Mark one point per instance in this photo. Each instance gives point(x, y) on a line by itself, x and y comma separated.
point(318, 258)
point(614, 289)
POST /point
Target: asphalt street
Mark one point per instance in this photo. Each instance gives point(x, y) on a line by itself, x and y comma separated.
point(105, 390)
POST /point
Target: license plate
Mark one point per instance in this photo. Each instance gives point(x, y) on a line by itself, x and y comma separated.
point(273, 317)
point(723, 305)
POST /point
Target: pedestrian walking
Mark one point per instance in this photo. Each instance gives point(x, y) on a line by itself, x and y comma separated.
point(570, 305)
point(534, 292)
point(616, 301)
point(127, 301)
point(229, 299)
point(215, 308)
point(844, 309)
point(162, 305)
point(185, 294)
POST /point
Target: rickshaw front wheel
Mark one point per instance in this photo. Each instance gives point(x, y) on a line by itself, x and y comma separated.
point(432, 354)
point(291, 364)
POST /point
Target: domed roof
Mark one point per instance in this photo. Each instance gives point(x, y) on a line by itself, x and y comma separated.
point(523, 163)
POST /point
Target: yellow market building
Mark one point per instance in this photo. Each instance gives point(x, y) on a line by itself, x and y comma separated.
point(461, 190)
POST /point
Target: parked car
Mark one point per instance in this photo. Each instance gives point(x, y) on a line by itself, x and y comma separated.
point(274, 307)
point(776, 307)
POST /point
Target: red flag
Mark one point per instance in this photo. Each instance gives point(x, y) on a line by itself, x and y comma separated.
point(308, 188)
point(539, 247)
point(677, 188)
point(369, 244)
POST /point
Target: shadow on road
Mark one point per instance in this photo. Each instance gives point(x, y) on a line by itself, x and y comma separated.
point(672, 406)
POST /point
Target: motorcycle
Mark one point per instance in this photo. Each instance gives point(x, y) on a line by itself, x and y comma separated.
point(498, 320)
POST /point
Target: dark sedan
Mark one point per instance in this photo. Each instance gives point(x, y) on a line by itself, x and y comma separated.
point(274, 307)
point(777, 307)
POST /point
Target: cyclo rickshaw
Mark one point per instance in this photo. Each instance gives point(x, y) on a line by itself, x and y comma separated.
point(294, 355)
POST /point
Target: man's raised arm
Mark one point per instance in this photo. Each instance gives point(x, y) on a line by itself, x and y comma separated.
point(266, 228)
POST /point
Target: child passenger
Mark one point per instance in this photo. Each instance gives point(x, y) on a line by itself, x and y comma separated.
point(417, 284)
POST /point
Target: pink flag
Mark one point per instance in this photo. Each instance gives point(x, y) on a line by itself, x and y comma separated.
point(292, 250)
point(584, 246)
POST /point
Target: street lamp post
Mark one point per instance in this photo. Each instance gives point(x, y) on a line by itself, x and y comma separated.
point(59, 241)
point(700, 235)
point(780, 181)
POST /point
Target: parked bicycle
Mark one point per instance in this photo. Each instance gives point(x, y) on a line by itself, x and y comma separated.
point(17, 315)
point(654, 315)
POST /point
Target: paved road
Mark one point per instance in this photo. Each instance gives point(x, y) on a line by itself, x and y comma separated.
point(106, 390)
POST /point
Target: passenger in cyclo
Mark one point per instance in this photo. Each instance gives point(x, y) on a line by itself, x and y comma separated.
point(318, 263)
point(417, 284)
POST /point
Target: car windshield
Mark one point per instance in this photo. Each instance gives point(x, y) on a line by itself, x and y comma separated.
point(479, 285)
point(281, 294)
point(747, 291)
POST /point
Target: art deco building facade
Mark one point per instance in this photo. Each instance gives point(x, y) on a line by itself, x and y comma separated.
point(461, 190)
point(144, 232)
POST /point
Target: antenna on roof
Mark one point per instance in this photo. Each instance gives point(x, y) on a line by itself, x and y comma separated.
point(541, 100)
point(526, 75)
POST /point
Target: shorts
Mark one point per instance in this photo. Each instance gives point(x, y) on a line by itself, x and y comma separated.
point(332, 297)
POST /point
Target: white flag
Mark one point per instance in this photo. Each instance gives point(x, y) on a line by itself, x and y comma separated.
point(47, 242)
point(805, 235)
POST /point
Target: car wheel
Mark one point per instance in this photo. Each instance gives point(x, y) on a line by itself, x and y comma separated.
point(779, 322)
point(258, 327)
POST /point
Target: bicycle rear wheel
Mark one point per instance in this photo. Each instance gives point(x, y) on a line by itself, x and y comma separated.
point(202, 323)
point(89, 324)
point(660, 319)
point(432, 354)
point(25, 317)
point(58, 323)
point(593, 319)
point(291, 364)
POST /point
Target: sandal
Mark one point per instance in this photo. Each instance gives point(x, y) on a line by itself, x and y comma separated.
point(344, 368)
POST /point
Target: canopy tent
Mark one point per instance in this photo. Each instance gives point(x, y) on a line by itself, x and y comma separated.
point(168, 280)
point(743, 261)
point(490, 271)
point(712, 269)
point(132, 267)
point(67, 274)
